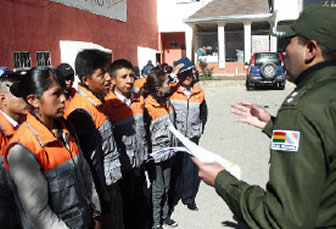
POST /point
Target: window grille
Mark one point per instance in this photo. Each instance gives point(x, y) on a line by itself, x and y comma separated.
point(173, 44)
point(22, 59)
point(43, 58)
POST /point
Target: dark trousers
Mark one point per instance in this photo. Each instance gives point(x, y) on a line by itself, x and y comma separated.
point(135, 197)
point(9, 217)
point(185, 180)
point(159, 175)
point(191, 180)
point(113, 219)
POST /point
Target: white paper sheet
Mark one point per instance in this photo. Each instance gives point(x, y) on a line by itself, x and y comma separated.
point(160, 153)
point(204, 155)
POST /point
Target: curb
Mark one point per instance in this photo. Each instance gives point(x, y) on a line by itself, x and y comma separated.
point(230, 83)
point(221, 83)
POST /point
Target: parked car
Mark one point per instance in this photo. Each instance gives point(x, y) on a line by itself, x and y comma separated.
point(266, 69)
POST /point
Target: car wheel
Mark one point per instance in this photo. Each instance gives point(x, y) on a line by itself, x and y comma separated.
point(248, 86)
point(269, 70)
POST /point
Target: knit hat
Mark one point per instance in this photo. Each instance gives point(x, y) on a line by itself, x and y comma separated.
point(66, 70)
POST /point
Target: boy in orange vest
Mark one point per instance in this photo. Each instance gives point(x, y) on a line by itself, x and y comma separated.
point(68, 75)
point(87, 113)
point(12, 112)
point(191, 115)
point(125, 109)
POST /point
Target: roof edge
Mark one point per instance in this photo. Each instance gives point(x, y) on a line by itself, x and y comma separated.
point(228, 18)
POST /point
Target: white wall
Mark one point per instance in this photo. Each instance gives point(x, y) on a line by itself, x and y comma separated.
point(287, 9)
point(144, 55)
point(69, 50)
point(171, 13)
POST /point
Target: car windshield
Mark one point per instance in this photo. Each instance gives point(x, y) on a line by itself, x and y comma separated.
point(262, 58)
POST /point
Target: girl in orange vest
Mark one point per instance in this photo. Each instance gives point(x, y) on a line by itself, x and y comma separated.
point(50, 178)
point(158, 113)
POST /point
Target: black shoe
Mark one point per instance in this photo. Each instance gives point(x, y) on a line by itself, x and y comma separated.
point(192, 207)
point(170, 222)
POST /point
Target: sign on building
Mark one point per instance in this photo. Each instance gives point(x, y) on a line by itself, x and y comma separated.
point(116, 9)
point(260, 43)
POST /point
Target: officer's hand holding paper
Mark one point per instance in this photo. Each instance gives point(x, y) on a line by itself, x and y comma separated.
point(203, 155)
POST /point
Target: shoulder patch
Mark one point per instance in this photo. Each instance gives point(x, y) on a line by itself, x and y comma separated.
point(285, 140)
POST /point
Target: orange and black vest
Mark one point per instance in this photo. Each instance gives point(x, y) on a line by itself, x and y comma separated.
point(188, 110)
point(8, 204)
point(138, 84)
point(160, 136)
point(64, 168)
point(69, 96)
point(87, 101)
point(129, 129)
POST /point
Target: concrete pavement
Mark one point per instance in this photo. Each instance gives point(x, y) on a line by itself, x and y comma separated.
point(239, 143)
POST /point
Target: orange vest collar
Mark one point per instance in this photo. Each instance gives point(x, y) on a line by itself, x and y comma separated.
point(43, 134)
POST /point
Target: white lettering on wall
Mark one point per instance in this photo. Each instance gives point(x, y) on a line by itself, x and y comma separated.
point(116, 9)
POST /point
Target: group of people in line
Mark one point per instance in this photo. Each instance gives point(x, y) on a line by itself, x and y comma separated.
point(78, 159)
point(81, 158)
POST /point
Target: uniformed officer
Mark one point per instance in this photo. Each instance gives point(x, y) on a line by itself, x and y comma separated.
point(301, 188)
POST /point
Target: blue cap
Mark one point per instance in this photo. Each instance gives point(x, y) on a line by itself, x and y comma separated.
point(5, 70)
point(187, 64)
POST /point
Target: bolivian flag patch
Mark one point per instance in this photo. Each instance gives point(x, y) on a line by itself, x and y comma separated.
point(285, 140)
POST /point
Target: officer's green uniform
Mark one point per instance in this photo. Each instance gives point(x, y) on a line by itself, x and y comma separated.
point(301, 192)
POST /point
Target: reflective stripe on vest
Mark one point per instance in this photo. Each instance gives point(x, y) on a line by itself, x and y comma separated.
point(187, 111)
point(129, 131)
point(84, 99)
point(161, 137)
point(66, 171)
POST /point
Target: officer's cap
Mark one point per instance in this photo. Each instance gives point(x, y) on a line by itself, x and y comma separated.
point(315, 23)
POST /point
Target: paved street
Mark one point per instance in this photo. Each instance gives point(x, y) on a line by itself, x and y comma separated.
point(239, 143)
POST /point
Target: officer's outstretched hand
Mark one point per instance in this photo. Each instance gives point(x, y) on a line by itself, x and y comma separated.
point(251, 114)
point(208, 171)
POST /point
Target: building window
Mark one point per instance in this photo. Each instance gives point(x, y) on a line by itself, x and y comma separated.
point(43, 58)
point(173, 44)
point(22, 59)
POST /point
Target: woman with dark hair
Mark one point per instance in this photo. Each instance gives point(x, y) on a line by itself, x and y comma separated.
point(158, 114)
point(50, 178)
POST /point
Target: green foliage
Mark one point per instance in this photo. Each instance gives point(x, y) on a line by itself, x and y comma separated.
point(206, 73)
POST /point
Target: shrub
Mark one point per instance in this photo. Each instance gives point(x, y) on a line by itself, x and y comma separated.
point(206, 73)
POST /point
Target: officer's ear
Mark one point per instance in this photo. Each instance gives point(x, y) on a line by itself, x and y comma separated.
point(312, 52)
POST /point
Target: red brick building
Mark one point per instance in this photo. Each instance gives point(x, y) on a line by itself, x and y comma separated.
point(31, 30)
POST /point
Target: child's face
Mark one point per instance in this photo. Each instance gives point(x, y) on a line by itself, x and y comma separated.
point(68, 82)
point(52, 102)
point(186, 78)
point(100, 82)
point(124, 81)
